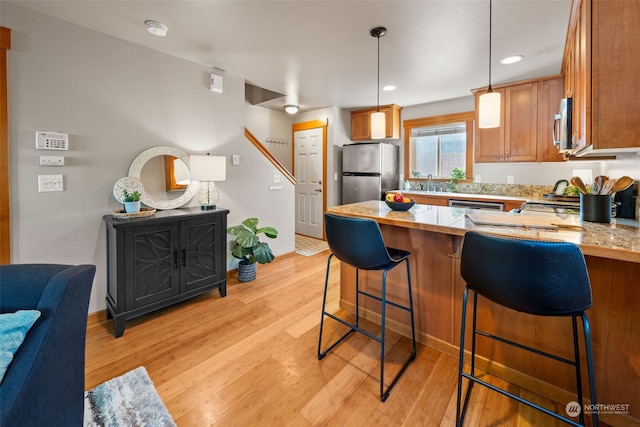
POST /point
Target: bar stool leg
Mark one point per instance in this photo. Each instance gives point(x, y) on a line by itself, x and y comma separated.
point(383, 395)
point(324, 304)
point(590, 368)
point(460, 410)
point(352, 329)
point(413, 326)
point(576, 351)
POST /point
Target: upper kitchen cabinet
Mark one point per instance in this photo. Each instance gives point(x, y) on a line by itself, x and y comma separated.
point(526, 121)
point(361, 122)
point(601, 67)
point(550, 92)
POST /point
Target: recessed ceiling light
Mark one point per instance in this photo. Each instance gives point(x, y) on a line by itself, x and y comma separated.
point(389, 87)
point(156, 28)
point(291, 109)
point(512, 59)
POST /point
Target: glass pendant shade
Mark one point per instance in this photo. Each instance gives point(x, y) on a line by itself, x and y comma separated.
point(378, 125)
point(489, 110)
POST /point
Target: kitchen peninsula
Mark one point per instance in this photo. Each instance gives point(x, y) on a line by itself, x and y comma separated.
point(434, 234)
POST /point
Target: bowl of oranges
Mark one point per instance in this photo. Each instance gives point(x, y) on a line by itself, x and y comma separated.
point(398, 202)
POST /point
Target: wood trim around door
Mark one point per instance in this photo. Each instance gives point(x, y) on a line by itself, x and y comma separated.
point(313, 124)
point(5, 224)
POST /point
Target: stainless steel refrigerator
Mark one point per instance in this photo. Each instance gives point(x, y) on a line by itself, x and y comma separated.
point(368, 170)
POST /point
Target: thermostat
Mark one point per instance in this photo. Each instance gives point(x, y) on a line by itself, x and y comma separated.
point(52, 141)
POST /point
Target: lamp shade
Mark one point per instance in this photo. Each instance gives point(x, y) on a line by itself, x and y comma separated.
point(208, 168)
point(378, 125)
point(489, 110)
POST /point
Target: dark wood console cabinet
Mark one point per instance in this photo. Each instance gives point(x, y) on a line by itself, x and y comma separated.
point(158, 261)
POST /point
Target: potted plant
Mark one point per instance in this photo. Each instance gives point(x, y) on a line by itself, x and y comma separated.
point(457, 174)
point(249, 249)
point(131, 201)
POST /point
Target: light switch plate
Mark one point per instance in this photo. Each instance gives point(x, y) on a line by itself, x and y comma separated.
point(51, 160)
point(235, 159)
point(48, 183)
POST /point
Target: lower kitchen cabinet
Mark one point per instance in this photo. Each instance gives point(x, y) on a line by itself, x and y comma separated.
point(158, 261)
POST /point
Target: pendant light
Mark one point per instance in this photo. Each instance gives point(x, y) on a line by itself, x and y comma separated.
point(378, 119)
point(489, 103)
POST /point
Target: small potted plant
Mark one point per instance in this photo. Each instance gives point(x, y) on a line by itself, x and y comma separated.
point(249, 249)
point(131, 201)
point(457, 174)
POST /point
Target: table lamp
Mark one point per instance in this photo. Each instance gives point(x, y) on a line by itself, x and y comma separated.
point(208, 169)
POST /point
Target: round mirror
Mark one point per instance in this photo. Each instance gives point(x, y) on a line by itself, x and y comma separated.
point(162, 189)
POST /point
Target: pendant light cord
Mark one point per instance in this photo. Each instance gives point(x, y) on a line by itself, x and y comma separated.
point(378, 101)
point(490, 21)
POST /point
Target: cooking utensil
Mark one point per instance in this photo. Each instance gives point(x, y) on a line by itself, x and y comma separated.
point(561, 184)
point(576, 181)
point(621, 184)
point(607, 187)
point(598, 182)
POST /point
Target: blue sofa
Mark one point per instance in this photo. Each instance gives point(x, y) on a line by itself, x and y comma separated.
point(44, 385)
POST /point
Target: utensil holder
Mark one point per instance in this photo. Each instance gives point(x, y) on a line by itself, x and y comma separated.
point(595, 207)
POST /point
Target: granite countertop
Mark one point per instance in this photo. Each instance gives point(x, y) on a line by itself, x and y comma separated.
point(618, 240)
point(465, 196)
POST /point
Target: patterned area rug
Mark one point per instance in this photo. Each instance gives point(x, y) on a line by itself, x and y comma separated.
point(308, 246)
point(130, 400)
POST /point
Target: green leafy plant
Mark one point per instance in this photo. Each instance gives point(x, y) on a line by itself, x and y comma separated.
point(248, 248)
point(456, 175)
point(131, 197)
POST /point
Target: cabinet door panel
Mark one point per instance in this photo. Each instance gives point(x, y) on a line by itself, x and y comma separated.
point(615, 66)
point(520, 122)
point(201, 238)
point(151, 270)
point(361, 126)
point(549, 95)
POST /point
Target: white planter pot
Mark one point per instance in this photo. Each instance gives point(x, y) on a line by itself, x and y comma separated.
point(131, 207)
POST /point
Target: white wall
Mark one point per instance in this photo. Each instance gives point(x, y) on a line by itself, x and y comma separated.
point(273, 129)
point(116, 99)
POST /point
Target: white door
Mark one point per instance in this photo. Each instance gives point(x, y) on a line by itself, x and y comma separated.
point(307, 153)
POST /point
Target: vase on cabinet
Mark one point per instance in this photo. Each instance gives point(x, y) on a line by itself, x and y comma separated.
point(131, 207)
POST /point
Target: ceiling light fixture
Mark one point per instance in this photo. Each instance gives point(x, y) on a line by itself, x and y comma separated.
point(378, 119)
point(156, 28)
point(512, 59)
point(291, 109)
point(389, 88)
point(489, 103)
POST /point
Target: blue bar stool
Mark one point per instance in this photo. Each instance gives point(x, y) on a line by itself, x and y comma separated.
point(359, 243)
point(535, 277)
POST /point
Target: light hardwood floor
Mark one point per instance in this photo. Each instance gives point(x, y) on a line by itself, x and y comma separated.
point(249, 359)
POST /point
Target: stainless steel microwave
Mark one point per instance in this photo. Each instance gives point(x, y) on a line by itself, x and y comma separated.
point(562, 129)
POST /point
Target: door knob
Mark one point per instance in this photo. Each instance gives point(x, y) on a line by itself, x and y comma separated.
point(319, 190)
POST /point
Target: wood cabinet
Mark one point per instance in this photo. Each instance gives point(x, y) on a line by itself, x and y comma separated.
point(444, 198)
point(161, 260)
point(549, 94)
point(526, 120)
point(601, 66)
point(423, 199)
point(361, 122)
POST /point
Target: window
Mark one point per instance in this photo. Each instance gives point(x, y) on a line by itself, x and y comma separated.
point(437, 145)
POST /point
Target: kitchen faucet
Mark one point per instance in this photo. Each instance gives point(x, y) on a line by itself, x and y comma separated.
point(429, 182)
